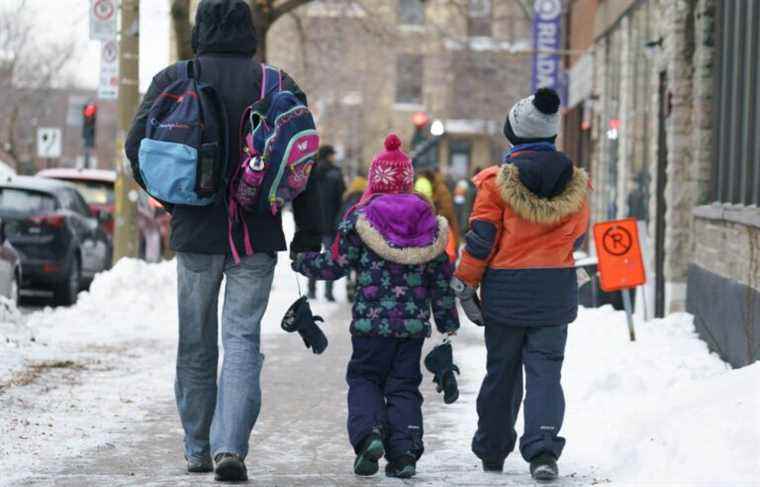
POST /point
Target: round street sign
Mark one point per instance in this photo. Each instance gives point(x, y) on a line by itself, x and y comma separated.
point(617, 240)
point(104, 9)
point(110, 52)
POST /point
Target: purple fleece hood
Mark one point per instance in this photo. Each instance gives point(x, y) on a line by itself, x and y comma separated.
point(403, 220)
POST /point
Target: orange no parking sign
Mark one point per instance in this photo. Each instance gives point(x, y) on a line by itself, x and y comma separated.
point(619, 253)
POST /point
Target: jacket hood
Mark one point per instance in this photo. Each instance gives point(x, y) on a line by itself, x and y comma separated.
point(224, 26)
point(402, 228)
point(543, 187)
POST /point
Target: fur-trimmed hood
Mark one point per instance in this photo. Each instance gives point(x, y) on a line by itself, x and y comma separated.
point(543, 187)
point(402, 228)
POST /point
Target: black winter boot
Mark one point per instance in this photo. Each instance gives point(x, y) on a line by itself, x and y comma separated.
point(494, 466)
point(230, 468)
point(543, 468)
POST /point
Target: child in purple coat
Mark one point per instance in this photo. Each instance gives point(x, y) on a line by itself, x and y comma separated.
point(396, 244)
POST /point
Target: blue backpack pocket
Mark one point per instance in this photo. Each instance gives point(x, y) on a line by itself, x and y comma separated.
point(169, 170)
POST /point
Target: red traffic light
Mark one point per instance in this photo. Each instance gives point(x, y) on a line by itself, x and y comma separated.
point(90, 110)
point(420, 119)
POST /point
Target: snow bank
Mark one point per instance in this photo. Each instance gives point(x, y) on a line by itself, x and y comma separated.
point(660, 410)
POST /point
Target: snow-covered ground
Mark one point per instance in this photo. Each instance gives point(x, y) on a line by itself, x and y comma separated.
point(662, 410)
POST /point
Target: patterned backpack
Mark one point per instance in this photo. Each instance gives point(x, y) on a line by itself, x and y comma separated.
point(279, 142)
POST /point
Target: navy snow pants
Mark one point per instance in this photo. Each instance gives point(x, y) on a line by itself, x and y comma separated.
point(540, 351)
point(383, 392)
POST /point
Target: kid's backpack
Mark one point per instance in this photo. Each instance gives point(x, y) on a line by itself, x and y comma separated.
point(181, 158)
point(279, 142)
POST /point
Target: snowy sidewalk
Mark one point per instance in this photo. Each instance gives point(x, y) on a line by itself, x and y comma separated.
point(97, 408)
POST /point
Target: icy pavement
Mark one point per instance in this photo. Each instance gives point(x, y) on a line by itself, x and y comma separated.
point(90, 400)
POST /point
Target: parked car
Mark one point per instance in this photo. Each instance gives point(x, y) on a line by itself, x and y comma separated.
point(97, 187)
point(61, 244)
point(10, 268)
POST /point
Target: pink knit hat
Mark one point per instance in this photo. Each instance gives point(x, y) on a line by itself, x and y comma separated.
point(391, 170)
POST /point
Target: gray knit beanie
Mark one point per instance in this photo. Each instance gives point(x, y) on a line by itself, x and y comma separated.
point(534, 118)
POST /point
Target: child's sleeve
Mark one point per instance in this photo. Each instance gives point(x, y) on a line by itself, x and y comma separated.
point(486, 221)
point(442, 296)
point(332, 264)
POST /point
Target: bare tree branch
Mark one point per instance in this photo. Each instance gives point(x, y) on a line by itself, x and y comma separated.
point(180, 14)
point(287, 6)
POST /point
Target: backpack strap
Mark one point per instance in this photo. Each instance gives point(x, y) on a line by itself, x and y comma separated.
point(271, 80)
point(185, 70)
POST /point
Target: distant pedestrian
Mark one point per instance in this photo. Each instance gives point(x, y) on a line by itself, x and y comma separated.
point(464, 198)
point(431, 183)
point(218, 411)
point(327, 179)
point(529, 216)
point(351, 197)
point(395, 242)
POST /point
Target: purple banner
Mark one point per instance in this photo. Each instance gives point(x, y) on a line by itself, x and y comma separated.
point(547, 40)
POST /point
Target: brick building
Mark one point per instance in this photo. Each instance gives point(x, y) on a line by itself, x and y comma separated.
point(369, 66)
point(669, 129)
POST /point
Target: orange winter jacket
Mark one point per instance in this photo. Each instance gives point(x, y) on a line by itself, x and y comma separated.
point(528, 217)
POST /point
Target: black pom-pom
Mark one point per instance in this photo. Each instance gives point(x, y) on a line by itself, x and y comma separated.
point(546, 100)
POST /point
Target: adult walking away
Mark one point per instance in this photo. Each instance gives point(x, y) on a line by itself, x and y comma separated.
point(327, 178)
point(529, 215)
point(218, 418)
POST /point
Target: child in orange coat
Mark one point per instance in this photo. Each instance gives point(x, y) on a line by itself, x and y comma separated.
point(528, 217)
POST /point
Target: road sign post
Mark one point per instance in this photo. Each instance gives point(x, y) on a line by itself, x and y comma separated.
point(103, 20)
point(621, 266)
point(49, 142)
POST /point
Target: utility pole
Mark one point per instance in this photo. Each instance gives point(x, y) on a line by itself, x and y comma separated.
point(126, 242)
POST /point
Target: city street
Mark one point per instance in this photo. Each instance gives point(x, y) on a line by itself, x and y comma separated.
point(90, 400)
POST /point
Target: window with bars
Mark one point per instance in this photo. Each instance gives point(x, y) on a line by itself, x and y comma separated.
point(411, 12)
point(409, 78)
point(480, 19)
point(736, 109)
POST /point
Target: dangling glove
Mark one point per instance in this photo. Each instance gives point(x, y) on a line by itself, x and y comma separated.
point(300, 318)
point(440, 362)
point(469, 300)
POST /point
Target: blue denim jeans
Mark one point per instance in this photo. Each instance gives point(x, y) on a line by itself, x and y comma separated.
point(219, 418)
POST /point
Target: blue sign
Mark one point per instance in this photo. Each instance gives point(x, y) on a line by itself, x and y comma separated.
point(547, 41)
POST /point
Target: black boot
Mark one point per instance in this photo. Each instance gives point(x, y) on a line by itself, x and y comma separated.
point(370, 451)
point(230, 468)
point(312, 289)
point(195, 465)
point(543, 468)
point(329, 292)
point(404, 467)
point(494, 466)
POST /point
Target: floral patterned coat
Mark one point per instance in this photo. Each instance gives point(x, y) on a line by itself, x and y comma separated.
point(397, 246)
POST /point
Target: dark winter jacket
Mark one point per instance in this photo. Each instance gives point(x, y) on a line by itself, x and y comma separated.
point(225, 42)
point(528, 217)
point(397, 246)
point(327, 179)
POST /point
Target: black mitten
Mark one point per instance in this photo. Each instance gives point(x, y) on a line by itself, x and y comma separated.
point(300, 318)
point(440, 362)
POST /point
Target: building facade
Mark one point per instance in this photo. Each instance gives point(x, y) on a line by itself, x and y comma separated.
point(663, 106)
point(369, 66)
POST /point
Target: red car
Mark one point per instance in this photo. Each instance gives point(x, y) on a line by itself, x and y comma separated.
point(97, 188)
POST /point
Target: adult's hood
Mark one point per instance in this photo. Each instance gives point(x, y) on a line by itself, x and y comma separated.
point(543, 186)
point(403, 228)
point(224, 26)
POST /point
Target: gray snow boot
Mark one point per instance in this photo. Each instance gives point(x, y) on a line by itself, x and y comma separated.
point(543, 468)
point(230, 468)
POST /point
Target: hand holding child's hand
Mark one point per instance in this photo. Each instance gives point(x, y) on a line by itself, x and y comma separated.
point(468, 298)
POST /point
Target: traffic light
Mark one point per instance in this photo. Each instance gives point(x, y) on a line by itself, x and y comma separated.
point(89, 118)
